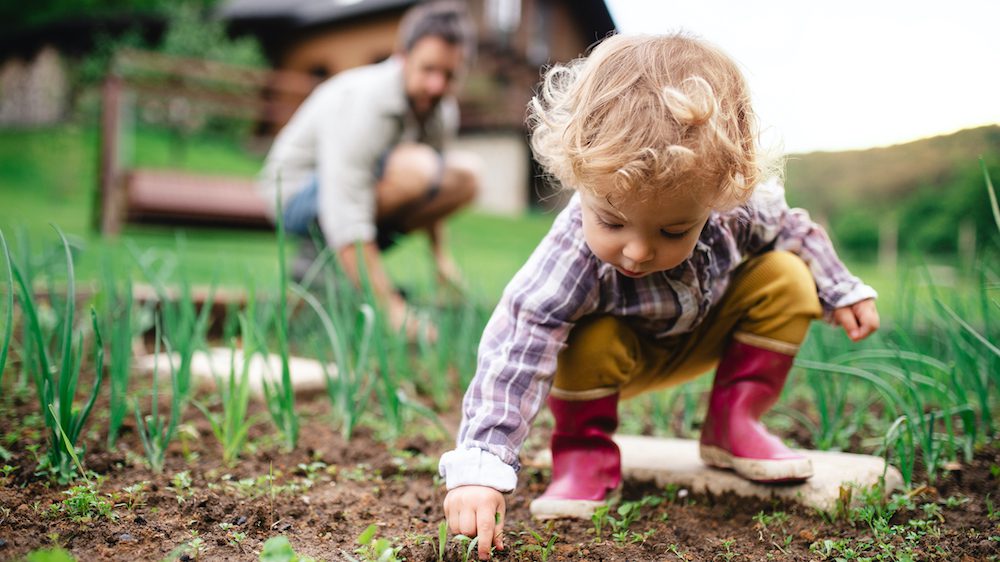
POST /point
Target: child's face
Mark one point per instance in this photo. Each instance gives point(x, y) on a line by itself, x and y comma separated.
point(642, 237)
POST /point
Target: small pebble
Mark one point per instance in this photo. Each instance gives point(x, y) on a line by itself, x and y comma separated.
point(240, 520)
point(3, 543)
point(125, 537)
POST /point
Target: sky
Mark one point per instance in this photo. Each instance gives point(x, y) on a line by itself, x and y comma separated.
point(847, 74)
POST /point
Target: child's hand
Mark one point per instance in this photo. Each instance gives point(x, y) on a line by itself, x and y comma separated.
point(477, 511)
point(859, 320)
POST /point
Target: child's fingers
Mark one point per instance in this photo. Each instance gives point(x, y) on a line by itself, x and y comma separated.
point(485, 523)
point(845, 317)
point(867, 313)
point(498, 533)
point(467, 521)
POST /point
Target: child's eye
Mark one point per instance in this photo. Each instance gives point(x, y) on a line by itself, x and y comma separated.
point(608, 225)
point(674, 235)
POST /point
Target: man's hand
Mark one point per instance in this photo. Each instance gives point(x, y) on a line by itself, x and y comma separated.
point(477, 511)
point(859, 320)
point(448, 273)
point(403, 318)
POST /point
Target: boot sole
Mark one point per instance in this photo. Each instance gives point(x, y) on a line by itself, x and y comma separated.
point(758, 470)
point(561, 508)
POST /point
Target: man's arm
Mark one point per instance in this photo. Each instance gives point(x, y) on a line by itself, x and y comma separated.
point(382, 288)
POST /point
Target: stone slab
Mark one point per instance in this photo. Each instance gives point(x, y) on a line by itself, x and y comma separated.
point(307, 374)
point(676, 461)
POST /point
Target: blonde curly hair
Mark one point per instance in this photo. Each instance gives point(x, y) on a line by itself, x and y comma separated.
point(643, 114)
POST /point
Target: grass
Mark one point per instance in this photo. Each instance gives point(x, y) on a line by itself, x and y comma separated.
point(922, 391)
point(50, 175)
point(56, 385)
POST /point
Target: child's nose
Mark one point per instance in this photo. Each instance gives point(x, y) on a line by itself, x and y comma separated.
point(638, 251)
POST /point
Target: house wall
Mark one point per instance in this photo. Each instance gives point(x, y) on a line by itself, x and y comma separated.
point(337, 48)
point(495, 95)
point(505, 169)
point(33, 92)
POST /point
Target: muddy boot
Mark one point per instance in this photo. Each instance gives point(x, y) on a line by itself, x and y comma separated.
point(586, 463)
point(747, 383)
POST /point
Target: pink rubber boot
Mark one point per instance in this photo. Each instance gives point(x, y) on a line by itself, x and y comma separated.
point(747, 383)
point(586, 463)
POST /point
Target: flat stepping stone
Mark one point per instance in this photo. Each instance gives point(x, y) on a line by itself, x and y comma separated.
point(676, 461)
point(307, 374)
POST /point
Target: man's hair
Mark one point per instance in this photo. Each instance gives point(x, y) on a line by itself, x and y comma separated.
point(646, 114)
point(447, 19)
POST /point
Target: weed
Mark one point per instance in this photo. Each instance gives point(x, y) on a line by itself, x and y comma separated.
point(194, 547)
point(135, 495)
point(49, 555)
point(5, 472)
point(673, 548)
point(155, 431)
point(280, 397)
point(118, 313)
point(8, 326)
point(84, 503)
point(278, 549)
point(543, 547)
point(599, 518)
point(442, 540)
point(56, 387)
point(376, 550)
point(232, 427)
point(180, 485)
point(727, 545)
point(467, 546)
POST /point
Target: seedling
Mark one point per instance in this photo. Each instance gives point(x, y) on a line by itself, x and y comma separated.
point(232, 427)
point(545, 548)
point(84, 503)
point(135, 495)
point(280, 397)
point(376, 550)
point(56, 388)
point(442, 540)
point(180, 485)
point(278, 549)
point(8, 326)
point(155, 431)
point(467, 546)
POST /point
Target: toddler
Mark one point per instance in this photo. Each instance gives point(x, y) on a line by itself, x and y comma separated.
point(676, 254)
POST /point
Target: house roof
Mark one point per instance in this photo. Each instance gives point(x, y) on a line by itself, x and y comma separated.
point(313, 12)
point(306, 12)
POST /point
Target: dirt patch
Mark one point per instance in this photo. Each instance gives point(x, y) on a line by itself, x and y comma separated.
point(326, 492)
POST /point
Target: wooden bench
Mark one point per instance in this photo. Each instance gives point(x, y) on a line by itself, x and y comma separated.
point(126, 194)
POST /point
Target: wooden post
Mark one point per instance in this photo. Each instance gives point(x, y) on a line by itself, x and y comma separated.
point(888, 244)
point(109, 208)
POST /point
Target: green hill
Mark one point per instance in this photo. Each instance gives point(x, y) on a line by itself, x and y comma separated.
point(928, 186)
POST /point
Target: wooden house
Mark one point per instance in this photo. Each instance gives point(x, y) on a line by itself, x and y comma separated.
point(517, 38)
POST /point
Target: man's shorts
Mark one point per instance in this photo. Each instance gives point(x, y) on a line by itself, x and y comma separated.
point(302, 209)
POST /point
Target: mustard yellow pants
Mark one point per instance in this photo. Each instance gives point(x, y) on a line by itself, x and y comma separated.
point(770, 302)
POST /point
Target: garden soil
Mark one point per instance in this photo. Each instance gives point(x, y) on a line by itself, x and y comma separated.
point(324, 494)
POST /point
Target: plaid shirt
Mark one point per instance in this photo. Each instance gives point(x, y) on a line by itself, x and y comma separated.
point(563, 281)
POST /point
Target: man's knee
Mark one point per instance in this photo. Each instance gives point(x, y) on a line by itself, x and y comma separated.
point(461, 177)
point(411, 169)
point(600, 352)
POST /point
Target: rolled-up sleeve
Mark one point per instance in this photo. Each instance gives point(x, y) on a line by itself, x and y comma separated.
point(517, 356)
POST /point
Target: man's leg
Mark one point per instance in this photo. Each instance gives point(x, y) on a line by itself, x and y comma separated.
point(419, 187)
point(298, 216)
